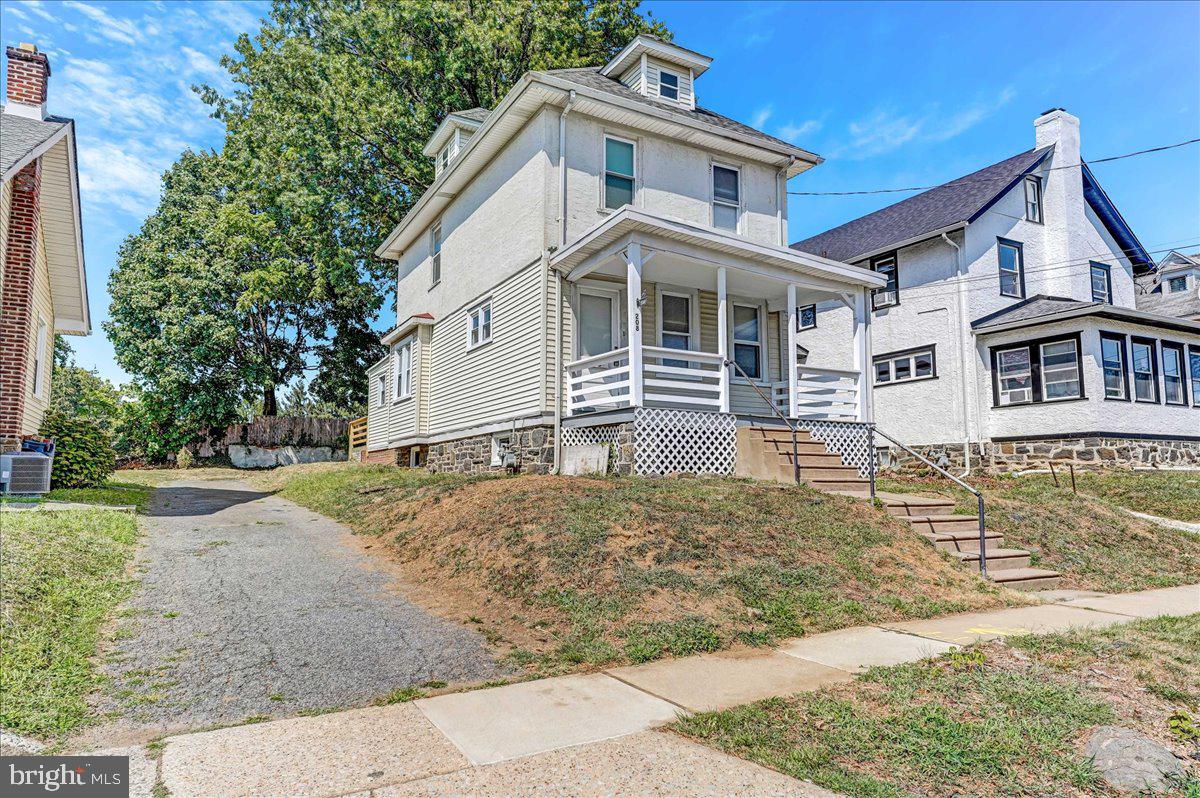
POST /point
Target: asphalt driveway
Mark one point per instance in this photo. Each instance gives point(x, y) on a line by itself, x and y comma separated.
point(252, 606)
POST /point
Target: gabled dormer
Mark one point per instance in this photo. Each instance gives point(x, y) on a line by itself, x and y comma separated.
point(659, 70)
point(452, 136)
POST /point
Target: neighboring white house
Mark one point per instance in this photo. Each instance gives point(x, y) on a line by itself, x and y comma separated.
point(582, 189)
point(1010, 320)
point(1173, 288)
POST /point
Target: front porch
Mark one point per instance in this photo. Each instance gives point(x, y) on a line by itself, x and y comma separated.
point(715, 320)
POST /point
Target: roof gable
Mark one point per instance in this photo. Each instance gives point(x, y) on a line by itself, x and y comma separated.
point(1115, 223)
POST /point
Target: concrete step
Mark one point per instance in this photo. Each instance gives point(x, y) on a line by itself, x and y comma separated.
point(904, 504)
point(942, 523)
point(782, 435)
point(998, 559)
point(1026, 579)
point(812, 459)
point(856, 486)
point(963, 541)
point(839, 472)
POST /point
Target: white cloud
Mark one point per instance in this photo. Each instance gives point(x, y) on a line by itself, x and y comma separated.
point(761, 116)
point(117, 99)
point(202, 64)
point(120, 30)
point(126, 174)
point(38, 8)
point(16, 12)
point(970, 116)
point(792, 131)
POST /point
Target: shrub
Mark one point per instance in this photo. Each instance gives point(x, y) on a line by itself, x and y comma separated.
point(83, 456)
point(184, 458)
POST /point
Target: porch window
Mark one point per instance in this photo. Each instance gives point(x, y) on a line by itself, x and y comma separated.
point(1116, 376)
point(618, 172)
point(1101, 283)
point(1016, 376)
point(403, 371)
point(435, 254)
point(479, 325)
point(1060, 370)
point(890, 294)
point(747, 339)
point(1172, 369)
point(668, 85)
point(806, 317)
point(906, 366)
point(1194, 361)
point(1012, 268)
point(1145, 370)
point(675, 324)
point(726, 197)
point(1033, 198)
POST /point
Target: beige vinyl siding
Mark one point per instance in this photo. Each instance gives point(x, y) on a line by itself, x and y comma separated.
point(56, 206)
point(378, 414)
point(423, 348)
point(685, 81)
point(43, 311)
point(497, 380)
point(403, 414)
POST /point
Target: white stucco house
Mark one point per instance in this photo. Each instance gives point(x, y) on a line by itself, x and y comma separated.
point(590, 256)
point(1009, 331)
point(1173, 288)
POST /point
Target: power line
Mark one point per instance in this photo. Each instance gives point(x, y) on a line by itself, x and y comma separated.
point(964, 181)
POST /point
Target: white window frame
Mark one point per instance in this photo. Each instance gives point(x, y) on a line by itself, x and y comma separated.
point(436, 242)
point(1018, 273)
point(1036, 203)
point(761, 308)
point(712, 195)
point(1000, 376)
point(693, 333)
point(678, 85)
point(404, 369)
point(1180, 375)
point(39, 359)
point(1095, 268)
point(909, 355)
point(1171, 289)
point(1078, 379)
point(480, 317)
point(1152, 347)
point(800, 325)
point(633, 192)
point(600, 290)
point(381, 397)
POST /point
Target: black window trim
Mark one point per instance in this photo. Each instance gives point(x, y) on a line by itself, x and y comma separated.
point(894, 256)
point(1036, 180)
point(1107, 269)
point(913, 350)
point(1153, 344)
point(1020, 266)
point(1184, 371)
point(1035, 368)
point(1123, 341)
point(1193, 351)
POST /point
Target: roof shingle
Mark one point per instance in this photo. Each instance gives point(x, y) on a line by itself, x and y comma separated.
point(20, 135)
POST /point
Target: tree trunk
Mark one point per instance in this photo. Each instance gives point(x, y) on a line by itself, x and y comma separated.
point(270, 407)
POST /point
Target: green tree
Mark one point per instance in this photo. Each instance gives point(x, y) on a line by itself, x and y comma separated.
point(79, 393)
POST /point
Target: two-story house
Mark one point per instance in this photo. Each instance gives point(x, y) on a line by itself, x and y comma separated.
point(1008, 332)
point(1173, 288)
point(601, 260)
point(43, 290)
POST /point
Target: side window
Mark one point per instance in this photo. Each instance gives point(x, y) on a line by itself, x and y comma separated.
point(1172, 370)
point(1060, 371)
point(1177, 284)
point(39, 360)
point(1012, 268)
point(1015, 374)
point(890, 294)
point(747, 340)
point(619, 173)
point(479, 324)
point(435, 253)
point(915, 364)
point(1101, 275)
point(1194, 370)
point(381, 390)
point(726, 189)
point(1145, 369)
point(668, 85)
point(1033, 198)
point(403, 371)
point(1116, 375)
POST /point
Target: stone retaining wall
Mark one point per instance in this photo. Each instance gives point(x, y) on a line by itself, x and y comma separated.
point(1083, 452)
point(534, 448)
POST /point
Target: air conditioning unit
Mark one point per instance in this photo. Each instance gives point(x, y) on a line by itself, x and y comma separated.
point(25, 472)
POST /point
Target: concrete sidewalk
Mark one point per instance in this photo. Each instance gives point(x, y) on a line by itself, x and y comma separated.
point(589, 734)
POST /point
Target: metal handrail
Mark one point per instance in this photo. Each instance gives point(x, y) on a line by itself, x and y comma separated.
point(948, 475)
point(782, 417)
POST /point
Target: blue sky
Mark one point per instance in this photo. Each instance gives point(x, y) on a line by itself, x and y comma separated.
point(892, 94)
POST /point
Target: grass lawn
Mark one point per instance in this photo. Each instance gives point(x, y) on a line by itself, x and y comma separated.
point(116, 493)
point(561, 573)
point(64, 573)
point(999, 719)
point(1092, 543)
point(1167, 494)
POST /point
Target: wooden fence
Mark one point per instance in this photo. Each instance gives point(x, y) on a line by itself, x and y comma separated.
point(271, 432)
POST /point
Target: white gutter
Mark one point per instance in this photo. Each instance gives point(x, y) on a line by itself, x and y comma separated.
point(558, 282)
point(965, 370)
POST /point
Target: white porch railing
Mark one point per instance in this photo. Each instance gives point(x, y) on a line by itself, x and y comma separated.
point(821, 393)
point(599, 382)
point(677, 377)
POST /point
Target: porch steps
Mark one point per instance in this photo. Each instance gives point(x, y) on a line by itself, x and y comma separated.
point(766, 453)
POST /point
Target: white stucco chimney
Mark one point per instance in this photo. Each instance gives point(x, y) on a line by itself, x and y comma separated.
point(1062, 203)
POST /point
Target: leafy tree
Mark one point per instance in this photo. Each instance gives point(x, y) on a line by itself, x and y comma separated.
point(64, 354)
point(83, 454)
point(79, 393)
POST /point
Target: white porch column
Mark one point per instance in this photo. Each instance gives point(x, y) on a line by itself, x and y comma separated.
point(633, 283)
point(792, 343)
point(723, 336)
point(862, 353)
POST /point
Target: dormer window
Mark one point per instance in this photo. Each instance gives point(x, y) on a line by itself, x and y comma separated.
point(445, 155)
point(668, 86)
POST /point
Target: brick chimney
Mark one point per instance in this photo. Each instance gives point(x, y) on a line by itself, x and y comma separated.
point(28, 78)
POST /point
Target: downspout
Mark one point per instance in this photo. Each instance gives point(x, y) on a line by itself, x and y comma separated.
point(781, 198)
point(558, 283)
point(963, 355)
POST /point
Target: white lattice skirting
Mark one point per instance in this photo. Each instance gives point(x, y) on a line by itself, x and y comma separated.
point(590, 436)
point(850, 439)
point(673, 441)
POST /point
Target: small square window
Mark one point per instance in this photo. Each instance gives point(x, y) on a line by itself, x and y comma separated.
point(479, 325)
point(806, 317)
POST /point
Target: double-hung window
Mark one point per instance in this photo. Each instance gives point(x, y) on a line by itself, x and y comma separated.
point(1060, 370)
point(747, 340)
point(1012, 268)
point(1033, 198)
point(668, 85)
point(1194, 368)
point(403, 371)
point(806, 317)
point(675, 324)
point(435, 254)
point(1116, 375)
point(890, 294)
point(1145, 369)
point(381, 390)
point(726, 208)
point(1037, 371)
point(619, 172)
point(1015, 372)
point(479, 324)
point(1172, 371)
point(907, 366)
point(1101, 274)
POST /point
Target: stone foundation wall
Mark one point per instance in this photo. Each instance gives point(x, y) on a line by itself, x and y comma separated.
point(1083, 452)
point(534, 448)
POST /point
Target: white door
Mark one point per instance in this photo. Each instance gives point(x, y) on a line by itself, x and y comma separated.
point(599, 311)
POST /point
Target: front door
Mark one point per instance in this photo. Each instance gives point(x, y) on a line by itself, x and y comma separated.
point(599, 311)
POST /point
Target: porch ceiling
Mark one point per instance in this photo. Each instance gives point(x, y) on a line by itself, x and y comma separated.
point(752, 262)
